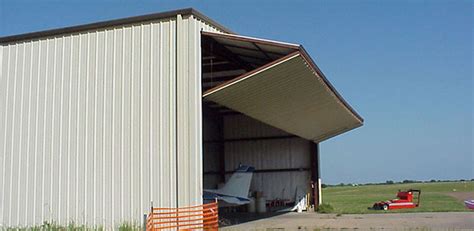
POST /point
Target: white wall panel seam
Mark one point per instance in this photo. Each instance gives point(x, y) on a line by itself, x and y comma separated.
point(86, 153)
point(63, 51)
point(176, 104)
point(95, 128)
point(193, 118)
point(47, 132)
point(75, 68)
point(172, 127)
point(150, 122)
point(68, 200)
point(7, 77)
point(87, 127)
point(104, 103)
point(28, 133)
point(161, 142)
point(112, 191)
point(17, 78)
point(20, 130)
point(131, 114)
point(35, 202)
point(105, 126)
point(122, 126)
point(12, 137)
point(76, 204)
point(177, 107)
point(138, 94)
point(52, 133)
point(140, 111)
point(12, 134)
point(161, 96)
point(129, 118)
point(2, 156)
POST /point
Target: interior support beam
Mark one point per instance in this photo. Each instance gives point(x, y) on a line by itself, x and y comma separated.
point(219, 79)
point(219, 50)
point(250, 49)
point(261, 50)
point(252, 139)
point(221, 149)
point(315, 175)
point(263, 171)
point(226, 73)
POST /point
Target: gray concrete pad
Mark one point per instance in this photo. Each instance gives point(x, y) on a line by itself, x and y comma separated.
point(392, 221)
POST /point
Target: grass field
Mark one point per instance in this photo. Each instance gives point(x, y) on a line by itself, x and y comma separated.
point(434, 197)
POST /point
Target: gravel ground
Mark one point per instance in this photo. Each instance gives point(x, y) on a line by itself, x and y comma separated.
point(393, 221)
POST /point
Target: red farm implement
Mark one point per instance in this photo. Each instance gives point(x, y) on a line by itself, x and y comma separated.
point(405, 200)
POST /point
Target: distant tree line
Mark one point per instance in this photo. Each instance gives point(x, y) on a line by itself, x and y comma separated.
point(388, 182)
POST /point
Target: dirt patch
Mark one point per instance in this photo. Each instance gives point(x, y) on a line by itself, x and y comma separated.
point(461, 196)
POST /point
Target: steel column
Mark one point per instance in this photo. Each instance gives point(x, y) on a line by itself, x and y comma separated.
point(315, 175)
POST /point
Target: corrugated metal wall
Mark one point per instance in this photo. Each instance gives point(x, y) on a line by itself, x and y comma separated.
point(267, 154)
point(90, 130)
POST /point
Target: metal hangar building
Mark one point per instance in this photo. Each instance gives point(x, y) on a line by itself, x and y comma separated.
point(99, 120)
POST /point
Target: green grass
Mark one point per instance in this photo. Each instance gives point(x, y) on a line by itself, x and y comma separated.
point(356, 199)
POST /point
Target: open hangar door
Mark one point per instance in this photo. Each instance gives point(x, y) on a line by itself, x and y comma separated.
point(282, 161)
point(267, 104)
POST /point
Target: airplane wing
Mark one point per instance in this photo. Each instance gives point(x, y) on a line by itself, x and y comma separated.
point(235, 190)
point(210, 195)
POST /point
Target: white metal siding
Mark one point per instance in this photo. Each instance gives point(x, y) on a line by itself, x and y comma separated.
point(189, 110)
point(88, 125)
point(285, 153)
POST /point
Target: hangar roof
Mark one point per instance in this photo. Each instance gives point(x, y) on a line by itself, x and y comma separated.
point(115, 22)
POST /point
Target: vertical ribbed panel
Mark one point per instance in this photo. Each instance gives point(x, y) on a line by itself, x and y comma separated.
point(189, 110)
point(88, 125)
point(267, 154)
point(2, 105)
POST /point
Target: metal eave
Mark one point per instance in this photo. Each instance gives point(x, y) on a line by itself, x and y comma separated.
point(111, 23)
point(251, 39)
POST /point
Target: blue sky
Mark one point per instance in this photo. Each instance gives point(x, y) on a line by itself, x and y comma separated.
point(406, 66)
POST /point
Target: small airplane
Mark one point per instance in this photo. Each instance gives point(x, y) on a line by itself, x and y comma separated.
point(469, 204)
point(235, 191)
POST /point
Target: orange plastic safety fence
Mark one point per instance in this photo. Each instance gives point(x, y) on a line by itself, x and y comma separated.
point(203, 217)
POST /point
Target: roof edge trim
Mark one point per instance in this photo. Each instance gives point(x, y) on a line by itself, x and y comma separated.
point(110, 23)
point(336, 133)
point(251, 39)
point(318, 71)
